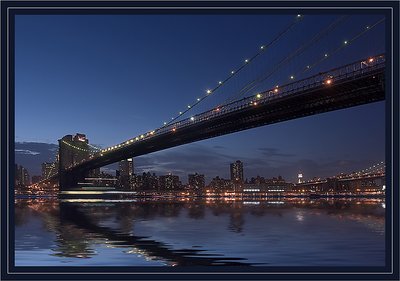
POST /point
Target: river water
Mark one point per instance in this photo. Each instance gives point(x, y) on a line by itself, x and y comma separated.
point(186, 232)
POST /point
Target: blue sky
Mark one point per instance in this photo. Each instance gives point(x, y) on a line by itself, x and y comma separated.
point(115, 76)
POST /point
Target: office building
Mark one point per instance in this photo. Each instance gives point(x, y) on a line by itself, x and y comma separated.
point(196, 181)
point(237, 172)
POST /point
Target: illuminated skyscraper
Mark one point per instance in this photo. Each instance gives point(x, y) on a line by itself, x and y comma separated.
point(169, 182)
point(237, 172)
point(126, 173)
point(300, 177)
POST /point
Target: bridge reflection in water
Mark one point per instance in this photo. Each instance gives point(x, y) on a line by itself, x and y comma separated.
point(175, 233)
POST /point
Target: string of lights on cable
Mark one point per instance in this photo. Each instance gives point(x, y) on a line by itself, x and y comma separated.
point(330, 54)
point(237, 70)
point(208, 93)
point(287, 59)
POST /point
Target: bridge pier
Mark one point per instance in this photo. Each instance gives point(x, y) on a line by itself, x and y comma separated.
point(70, 180)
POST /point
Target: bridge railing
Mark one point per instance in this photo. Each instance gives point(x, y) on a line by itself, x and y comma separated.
point(322, 79)
point(319, 80)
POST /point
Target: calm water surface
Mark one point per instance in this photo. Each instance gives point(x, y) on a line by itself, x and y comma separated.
point(296, 232)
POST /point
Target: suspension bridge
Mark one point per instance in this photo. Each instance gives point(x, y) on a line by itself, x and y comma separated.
point(359, 82)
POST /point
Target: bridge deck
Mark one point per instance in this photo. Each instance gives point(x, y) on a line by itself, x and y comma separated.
point(351, 85)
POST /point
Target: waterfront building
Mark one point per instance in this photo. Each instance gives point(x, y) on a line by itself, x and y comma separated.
point(196, 182)
point(218, 184)
point(169, 182)
point(145, 182)
point(125, 173)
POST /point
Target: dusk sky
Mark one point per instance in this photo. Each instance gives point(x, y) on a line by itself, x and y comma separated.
point(113, 77)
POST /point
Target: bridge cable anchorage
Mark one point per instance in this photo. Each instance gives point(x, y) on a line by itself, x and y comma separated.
point(256, 82)
point(235, 72)
point(342, 46)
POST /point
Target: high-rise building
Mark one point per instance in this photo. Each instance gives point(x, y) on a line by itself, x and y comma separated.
point(169, 182)
point(145, 182)
point(126, 167)
point(22, 177)
point(300, 178)
point(72, 150)
point(196, 181)
point(220, 184)
point(237, 172)
point(125, 173)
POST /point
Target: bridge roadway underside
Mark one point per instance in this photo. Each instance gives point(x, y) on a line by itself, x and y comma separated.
point(355, 91)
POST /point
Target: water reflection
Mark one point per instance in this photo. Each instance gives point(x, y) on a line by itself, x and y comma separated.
point(156, 231)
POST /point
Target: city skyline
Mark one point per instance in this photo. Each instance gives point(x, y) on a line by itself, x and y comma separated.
point(125, 172)
point(321, 145)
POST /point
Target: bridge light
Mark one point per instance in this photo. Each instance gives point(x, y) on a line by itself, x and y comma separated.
point(198, 99)
point(209, 91)
point(308, 67)
point(345, 42)
point(291, 77)
point(262, 47)
point(328, 82)
point(165, 123)
point(189, 106)
point(142, 136)
point(220, 82)
point(255, 103)
point(371, 60)
point(259, 96)
point(232, 72)
point(326, 55)
point(246, 60)
point(192, 118)
point(276, 90)
point(180, 112)
point(174, 129)
point(217, 109)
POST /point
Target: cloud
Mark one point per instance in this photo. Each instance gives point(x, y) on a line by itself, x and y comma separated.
point(218, 147)
point(273, 152)
point(26, 151)
point(32, 154)
point(185, 160)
